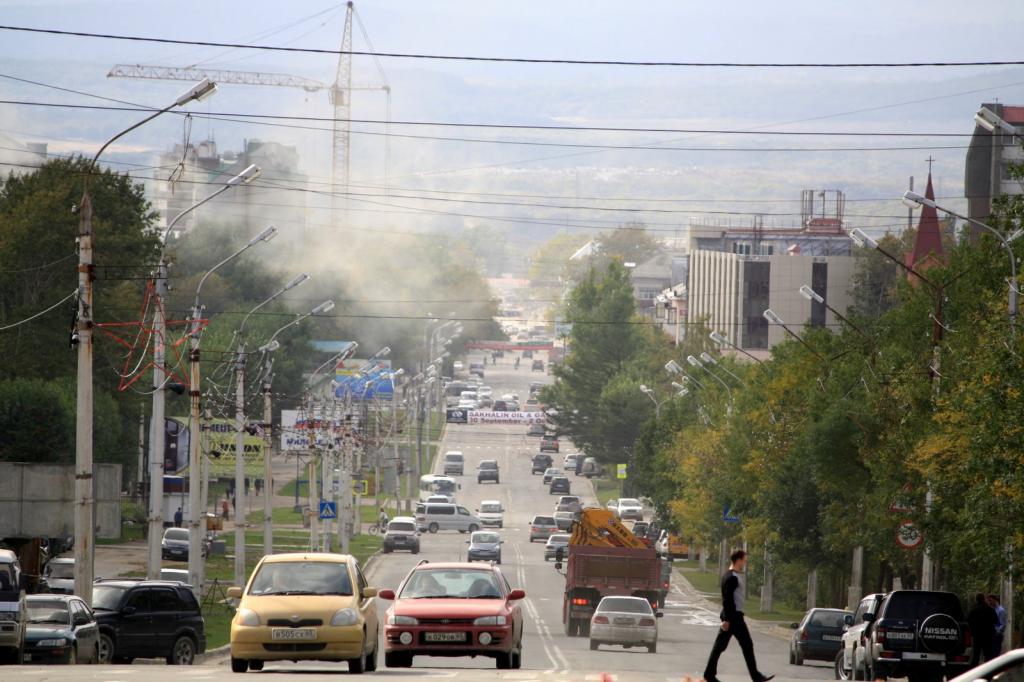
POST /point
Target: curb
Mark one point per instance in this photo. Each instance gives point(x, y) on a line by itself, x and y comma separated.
point(212, 654)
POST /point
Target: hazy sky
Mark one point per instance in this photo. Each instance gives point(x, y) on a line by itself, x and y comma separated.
point(904, 100)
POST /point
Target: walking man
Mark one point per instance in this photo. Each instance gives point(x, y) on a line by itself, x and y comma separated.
point(982, 620)
point(178, 518)
point(734, 589)
point(997, 644)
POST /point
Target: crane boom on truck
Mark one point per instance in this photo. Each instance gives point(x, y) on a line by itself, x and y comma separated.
point(606, 559)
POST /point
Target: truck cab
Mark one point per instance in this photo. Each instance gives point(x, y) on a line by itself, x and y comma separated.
point(13, 613)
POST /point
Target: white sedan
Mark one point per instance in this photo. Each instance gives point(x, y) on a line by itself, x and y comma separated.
point(630, 508)
point(627, 621)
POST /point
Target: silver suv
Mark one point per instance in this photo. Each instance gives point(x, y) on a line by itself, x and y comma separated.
point(401, 534)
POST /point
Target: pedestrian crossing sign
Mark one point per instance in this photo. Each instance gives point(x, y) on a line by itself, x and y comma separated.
point(328, 510)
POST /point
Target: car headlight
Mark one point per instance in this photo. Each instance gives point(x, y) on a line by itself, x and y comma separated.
point(402, 620)
point(53, 642)
point(345, 617)
point(491, 620)
point(248, 617)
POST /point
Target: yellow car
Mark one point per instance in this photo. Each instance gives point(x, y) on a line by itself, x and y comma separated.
point(305, 607)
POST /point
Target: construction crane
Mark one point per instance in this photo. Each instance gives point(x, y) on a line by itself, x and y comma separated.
point(339, 92)
point(601, 528)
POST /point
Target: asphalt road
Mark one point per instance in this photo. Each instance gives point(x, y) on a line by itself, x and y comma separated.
point(686, 631)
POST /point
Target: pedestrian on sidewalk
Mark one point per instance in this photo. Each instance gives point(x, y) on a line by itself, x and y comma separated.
point(982, 620)
point(178, 518)
point(259, 486)
point(224, 507)
point(996, 603)
point(734, 590)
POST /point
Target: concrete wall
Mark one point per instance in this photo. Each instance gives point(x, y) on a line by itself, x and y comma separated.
point(38, 500)
point(788, 274)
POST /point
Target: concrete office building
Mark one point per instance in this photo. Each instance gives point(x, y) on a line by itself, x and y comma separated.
point(986, 170)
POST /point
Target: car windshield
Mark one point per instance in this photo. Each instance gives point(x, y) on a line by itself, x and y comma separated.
point(484, 538)
point(106, 597)
point(919, 605)
point(552, 472)
point(488, 464)
point(60, 570)
point(176, 534)
point(491, 508)
point(401, 525)
point(828, 619)
point(49, 611)
point(629, 502)
point(624, 605)
point(451, 583)
point(558, 539)
point(452, 457)
point(302, 577)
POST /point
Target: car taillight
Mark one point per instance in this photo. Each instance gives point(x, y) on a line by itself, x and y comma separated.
point(534, 528)
point(804, 636)
point(647, 622)
point(968, 638)
point(581, 601)
point(601, 620)
point(880, 636)
point(665, 584)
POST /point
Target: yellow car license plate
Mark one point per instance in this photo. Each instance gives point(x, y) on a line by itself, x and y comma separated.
point(291, 634)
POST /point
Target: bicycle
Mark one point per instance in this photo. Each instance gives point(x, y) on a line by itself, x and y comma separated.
point(377, 528)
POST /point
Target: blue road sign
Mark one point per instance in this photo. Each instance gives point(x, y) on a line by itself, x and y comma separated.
point(727, 517)
point(328, 510)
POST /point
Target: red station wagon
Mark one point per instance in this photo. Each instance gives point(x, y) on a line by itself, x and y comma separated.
point(454, 609)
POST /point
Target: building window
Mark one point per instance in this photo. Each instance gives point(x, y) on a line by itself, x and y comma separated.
point(648, 293)
point(819, 282)
point(741, 248)
point(670, 315)
point(756, 277)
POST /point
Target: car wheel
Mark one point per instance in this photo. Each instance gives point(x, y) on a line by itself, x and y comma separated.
point(504, 660)
point(105, 649)
point(432, 528)
point(799, 660)
point(95, 654)
point(652, 648)
point(416, 551)
point(792, 658)
point(371, 659)
point(183, 652)
point(473, 528)
point(397, 659)
point(357, 666)
point(517, 657)
point(387, 550)
point(256, 665)
point(594, 645)
point(72, 656)
point(239, 665)
point(840, 669)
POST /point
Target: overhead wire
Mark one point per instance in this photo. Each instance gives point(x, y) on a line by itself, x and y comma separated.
point(5, 327)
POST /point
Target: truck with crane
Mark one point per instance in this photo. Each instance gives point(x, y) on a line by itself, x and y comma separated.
point(606, 559)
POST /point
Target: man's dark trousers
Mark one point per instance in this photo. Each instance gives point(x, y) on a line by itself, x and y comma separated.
point(737, 629)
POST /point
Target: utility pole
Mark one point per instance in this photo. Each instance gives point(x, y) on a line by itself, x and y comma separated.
point(141, 467)
point(314, 495)
point(196, 503)
point(268, 450)
point(855, 591)
point(84, 550)
point(158, 426)
point(240, 465)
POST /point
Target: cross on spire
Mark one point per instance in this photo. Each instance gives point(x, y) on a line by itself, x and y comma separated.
point(930, 161)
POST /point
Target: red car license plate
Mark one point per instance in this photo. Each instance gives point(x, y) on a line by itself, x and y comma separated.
point(444, 636)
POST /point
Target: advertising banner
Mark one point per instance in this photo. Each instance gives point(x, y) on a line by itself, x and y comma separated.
point(511, 345)
point(456, 416)
point(489, 417)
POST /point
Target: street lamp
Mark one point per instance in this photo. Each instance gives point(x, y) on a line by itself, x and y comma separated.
point(915, 200)
point(812, 295)
point(673, 367)
point(196, 503)
point(990, 121)
point(697, 363)
point(84, 545)
point(723, 340)
point(708, 359)
point(160, 379)
point(772, 318)
point(240, 505)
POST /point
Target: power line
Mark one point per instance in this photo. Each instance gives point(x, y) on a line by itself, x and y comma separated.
point(40, 313)
point(515, 60)
point(40, 267)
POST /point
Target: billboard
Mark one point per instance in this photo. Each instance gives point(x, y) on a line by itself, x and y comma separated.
point(218, 443)
point(296, 427)
point(544, 344)
point(456, 416)
point(489, 417)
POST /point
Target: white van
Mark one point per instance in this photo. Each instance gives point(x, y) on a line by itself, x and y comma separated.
point(437, 517)
point(490, 512)
point(454, 463)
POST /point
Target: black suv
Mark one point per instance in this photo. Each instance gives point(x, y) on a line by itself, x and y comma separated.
point(487, 470)
point(918, 635)
point(147, 619)
point(541, 463)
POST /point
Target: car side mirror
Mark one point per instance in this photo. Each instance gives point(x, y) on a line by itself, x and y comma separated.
point(794, 626)
point(467, 542)
point(389, 595)
point(516, 595)
point(234, 593)
point(81, 620)
point(128, 610)
point(848, 619)
point(369, 592)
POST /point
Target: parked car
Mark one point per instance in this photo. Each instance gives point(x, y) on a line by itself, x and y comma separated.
point(490, 513)
point(305, 606)
point(147, 619)
point(630, 508)
point(454, 463)
point(555, 541)
point(542, 527)
point(916, 634)
point(59, 576)
point(541, 463)
point(818, 636)
point(401, 534)
point(627, 621)
point(564, 519)
point(174, 545)
point(535, 429)
point(61, 629)
point(550, 473)
point(549, 443)
point(488, 470)
point(484, 545)
point(559, 484)
point(537, 366)
point(454, 609)
point(850, 657)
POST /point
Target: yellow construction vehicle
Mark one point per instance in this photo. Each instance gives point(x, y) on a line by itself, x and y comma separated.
point(598, 527)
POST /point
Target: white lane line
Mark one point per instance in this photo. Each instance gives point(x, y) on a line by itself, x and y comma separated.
point(542, 631)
